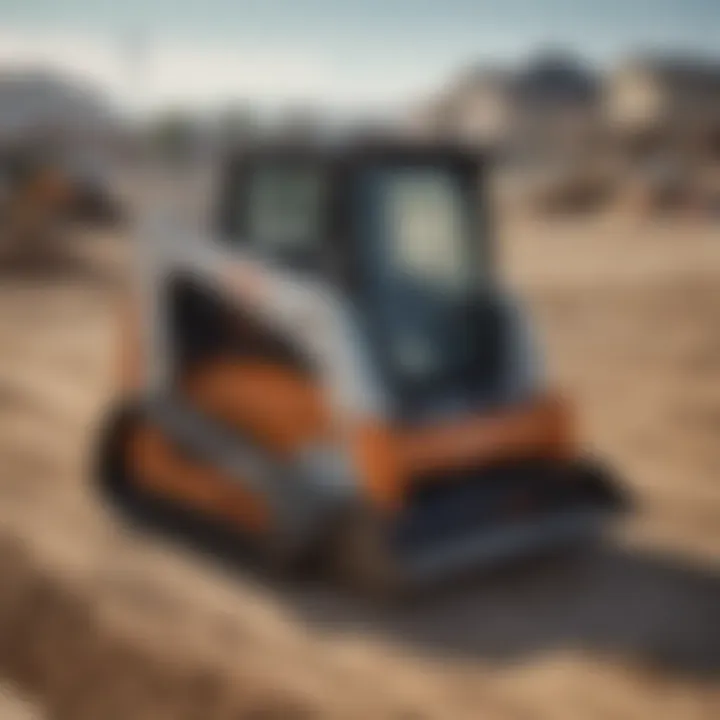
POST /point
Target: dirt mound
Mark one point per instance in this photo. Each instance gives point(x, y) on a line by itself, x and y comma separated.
point(54, 641)
point(14, 707)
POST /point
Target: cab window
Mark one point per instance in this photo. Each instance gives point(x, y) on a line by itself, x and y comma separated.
point(279, 209)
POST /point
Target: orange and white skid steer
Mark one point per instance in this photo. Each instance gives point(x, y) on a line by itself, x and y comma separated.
point(335, 371)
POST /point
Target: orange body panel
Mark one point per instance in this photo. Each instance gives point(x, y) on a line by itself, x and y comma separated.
point(38, 203)
point(375, 453)
point(539, 429)
point(388, 458)
point(278, 407)
point(283, 410)
point(52, 188)
point(163, 470)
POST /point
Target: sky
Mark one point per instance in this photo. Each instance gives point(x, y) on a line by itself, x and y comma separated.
point(348, 53)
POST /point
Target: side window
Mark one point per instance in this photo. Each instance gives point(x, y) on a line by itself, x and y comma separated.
point(279, 208)
point(286, 208)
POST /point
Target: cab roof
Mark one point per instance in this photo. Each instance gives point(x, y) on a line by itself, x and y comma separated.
point(358, 151)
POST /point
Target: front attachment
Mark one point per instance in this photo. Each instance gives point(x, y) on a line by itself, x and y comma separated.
point(483, 518)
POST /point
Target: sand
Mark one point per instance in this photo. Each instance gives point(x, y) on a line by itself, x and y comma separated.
point(98, 620)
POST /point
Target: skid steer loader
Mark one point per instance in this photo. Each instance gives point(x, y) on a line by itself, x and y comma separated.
point(335, 371)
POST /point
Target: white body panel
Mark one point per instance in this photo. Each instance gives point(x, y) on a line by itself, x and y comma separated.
point(310, 314)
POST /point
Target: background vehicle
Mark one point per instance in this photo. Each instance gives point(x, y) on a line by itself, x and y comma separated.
point(40, 195)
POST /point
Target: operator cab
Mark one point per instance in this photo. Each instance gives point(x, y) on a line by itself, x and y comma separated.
point(403, 232)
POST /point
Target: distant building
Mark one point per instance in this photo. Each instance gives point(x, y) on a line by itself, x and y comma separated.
point(551, 101)
point(669, 100)
point(477, 108)
point(557, 107)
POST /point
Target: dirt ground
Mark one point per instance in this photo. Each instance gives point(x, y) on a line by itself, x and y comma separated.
point(99, 621)
point(13, 707)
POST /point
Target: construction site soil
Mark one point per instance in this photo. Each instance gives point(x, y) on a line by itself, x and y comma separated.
point(102, 621)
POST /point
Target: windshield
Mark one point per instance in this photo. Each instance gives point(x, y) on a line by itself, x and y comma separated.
point(423, 269)
point(426, 223)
